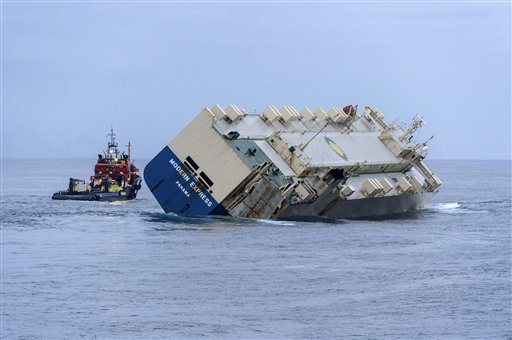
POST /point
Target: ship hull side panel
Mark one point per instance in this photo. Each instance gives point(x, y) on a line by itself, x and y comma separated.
point(358, 208)
point(212, 154)
point(175, 188)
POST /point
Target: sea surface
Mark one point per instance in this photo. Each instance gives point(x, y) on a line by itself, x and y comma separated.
point(128, 271)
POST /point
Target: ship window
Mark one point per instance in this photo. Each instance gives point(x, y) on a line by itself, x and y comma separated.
point(206, 178)
point(203, 183)
point(191, 161)
point(232, 135)
point(189, 167)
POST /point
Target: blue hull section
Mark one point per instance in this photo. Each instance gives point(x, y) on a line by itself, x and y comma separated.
point(175, 188)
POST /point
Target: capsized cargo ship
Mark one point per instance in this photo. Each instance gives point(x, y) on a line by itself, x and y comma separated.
point(289, 164)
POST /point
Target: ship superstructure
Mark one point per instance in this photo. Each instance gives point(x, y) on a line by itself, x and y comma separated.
point(115, 166)
point(289, 164)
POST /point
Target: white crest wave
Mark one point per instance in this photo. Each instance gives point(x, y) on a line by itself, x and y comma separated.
point(446, 206)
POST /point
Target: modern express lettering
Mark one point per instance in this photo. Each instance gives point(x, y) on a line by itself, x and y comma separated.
point(199, 192)
point(195, 188)
point(178, 168)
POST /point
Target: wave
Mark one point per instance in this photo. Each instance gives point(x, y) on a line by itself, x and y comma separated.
point(275, 222)
point(445, 206)
point(174, 218)
point(119, 202)
point(454, 208)
point(210, 219)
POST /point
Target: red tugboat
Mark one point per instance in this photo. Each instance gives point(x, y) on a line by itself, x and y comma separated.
point(115, 178)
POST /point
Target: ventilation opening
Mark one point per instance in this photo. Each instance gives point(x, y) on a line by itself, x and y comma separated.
point(203, 183)
point(206, 178)
point(192, 163)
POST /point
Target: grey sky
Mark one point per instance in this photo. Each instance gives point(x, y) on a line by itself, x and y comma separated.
point(70, 70)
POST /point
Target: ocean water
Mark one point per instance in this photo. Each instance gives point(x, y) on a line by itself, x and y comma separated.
point(126, 270)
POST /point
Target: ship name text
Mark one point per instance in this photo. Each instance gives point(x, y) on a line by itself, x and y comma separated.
point(192, 184)
point(179, 169)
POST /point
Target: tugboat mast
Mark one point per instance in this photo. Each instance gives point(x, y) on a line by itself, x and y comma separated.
point(112, 145)
point(129, 162)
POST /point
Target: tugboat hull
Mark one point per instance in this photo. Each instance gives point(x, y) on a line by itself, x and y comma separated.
point(64, 195)
point(129, 193)
point(96, 196)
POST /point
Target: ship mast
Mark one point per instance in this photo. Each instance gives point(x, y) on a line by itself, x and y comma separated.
point(129, 162)
point(112, 145)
